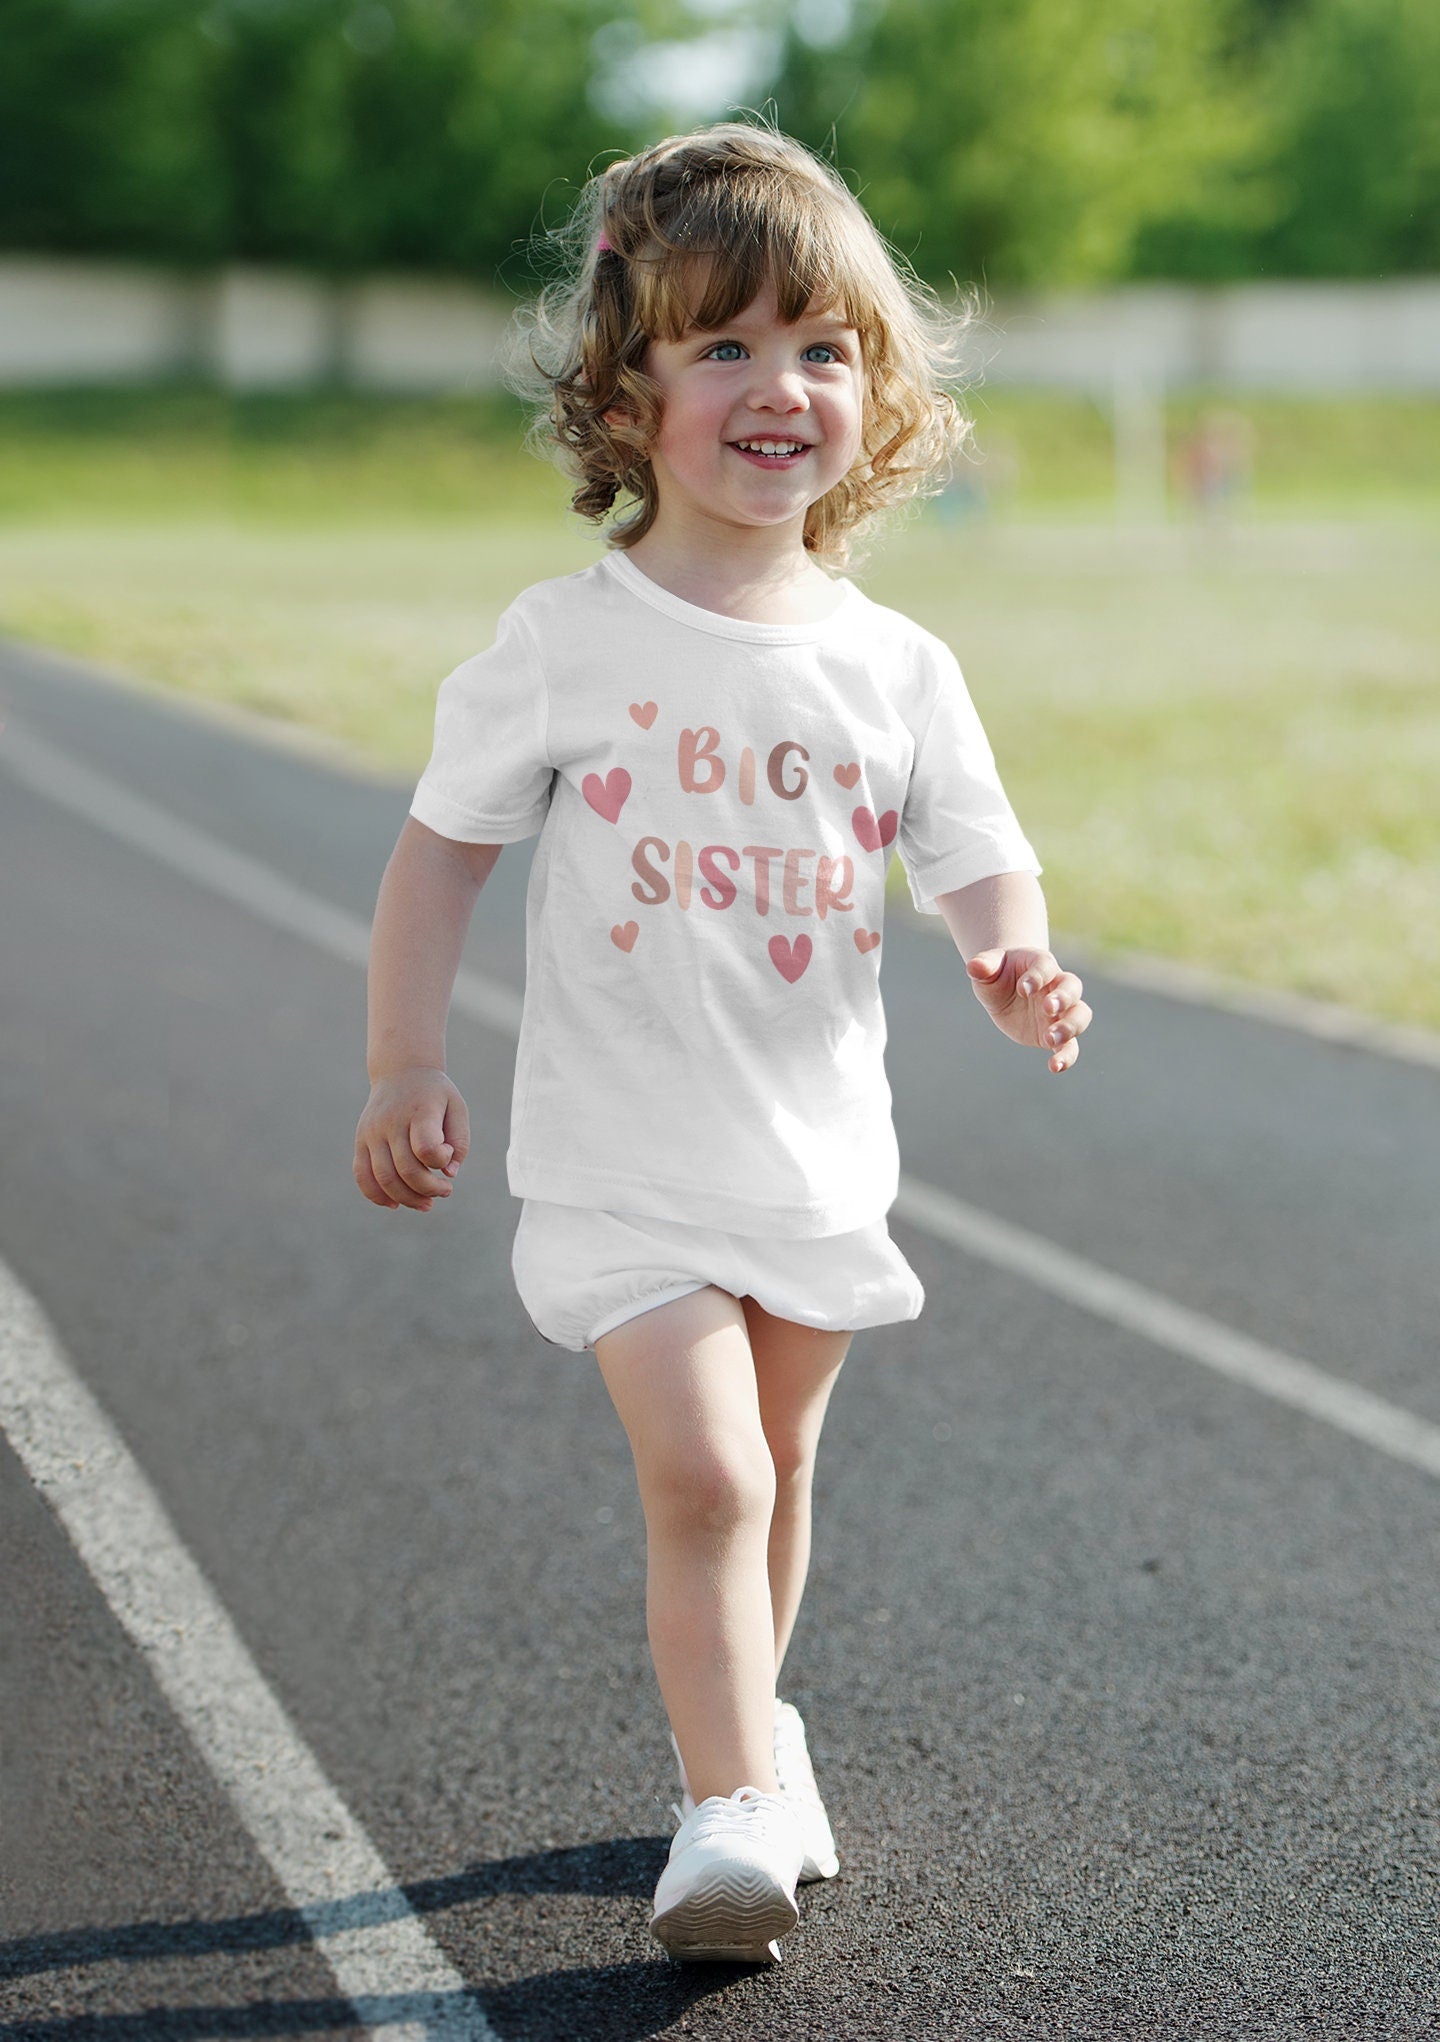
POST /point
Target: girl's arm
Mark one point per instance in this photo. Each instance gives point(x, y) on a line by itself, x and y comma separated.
point(415, 1130)
point(1002, 913)
point(1001, 930)
point(427, 897)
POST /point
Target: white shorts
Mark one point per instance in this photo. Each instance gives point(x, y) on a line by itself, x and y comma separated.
point(581, 1272)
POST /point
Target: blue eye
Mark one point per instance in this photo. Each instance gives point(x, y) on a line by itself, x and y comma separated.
point(823, 345)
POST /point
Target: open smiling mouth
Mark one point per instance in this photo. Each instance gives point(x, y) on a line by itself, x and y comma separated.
point(771, 453)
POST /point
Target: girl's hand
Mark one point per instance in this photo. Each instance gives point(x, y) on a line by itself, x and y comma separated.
point(413, 1136)
point(1027, 995)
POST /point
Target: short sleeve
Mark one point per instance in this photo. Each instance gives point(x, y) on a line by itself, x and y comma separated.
point(489, 780)
point(957, 825)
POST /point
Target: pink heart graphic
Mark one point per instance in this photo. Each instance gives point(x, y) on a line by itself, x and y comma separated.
point(866, 939)
point(608, 796)
point(644, 713)
point(848, 775)
point(624, 938)
point(872, 835)
point(790, 959)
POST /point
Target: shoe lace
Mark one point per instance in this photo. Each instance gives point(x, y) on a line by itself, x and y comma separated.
point(731, 1812)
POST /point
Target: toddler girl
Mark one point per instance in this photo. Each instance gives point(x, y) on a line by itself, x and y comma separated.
point(718, 739)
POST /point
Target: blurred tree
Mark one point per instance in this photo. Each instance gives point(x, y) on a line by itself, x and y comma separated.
point(1035, 142)
point(282, 109)
point(1029, 143)
point(1345, 177)
point(336, 133)
point(106, 144)
point(1355, 85)
point(419, 134)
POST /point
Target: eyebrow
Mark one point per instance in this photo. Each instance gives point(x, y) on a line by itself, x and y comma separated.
point(736, 331)
point(739, 325)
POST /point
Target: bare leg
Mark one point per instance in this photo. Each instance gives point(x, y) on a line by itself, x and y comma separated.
point(683, 1381)
point(795, 1370)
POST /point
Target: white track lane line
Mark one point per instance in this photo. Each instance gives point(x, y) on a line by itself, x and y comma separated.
point(385, 1961)
point(1309, 1389)
point(252, 885)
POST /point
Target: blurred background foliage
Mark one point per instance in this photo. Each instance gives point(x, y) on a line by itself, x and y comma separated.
point(1073, 142)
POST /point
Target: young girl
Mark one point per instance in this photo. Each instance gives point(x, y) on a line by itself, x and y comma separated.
point(718, 739)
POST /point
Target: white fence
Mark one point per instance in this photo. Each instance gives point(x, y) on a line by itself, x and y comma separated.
point(72, 321)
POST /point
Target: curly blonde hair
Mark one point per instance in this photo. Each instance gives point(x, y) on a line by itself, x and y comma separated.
point(696, 226)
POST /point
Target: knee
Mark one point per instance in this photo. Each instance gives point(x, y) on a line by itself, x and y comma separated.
point(711, 1487)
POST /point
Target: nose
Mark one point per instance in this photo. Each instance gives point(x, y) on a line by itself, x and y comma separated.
point(778, 387)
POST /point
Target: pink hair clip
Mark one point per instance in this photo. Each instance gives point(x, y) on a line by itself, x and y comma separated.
point(602, 246)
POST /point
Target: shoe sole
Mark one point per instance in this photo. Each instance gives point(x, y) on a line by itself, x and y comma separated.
point(733, 1912)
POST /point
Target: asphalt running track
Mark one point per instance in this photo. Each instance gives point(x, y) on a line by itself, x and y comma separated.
point(326, 1697)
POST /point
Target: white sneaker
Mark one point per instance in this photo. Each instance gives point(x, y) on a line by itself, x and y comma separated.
point(728, 1890)
point(797, 1785)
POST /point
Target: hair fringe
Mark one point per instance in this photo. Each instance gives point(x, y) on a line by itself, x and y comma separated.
point(697, 224)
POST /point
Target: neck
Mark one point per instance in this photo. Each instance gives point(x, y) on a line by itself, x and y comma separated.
point(763, 575)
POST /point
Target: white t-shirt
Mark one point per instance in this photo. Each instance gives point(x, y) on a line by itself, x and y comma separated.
point(717, 802)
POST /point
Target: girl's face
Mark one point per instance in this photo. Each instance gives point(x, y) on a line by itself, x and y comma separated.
point(756, 380)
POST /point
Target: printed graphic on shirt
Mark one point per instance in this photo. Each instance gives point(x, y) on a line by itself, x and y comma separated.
point(799, 881)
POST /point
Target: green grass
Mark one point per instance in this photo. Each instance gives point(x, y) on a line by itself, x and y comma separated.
point(1322, 456)
point(1226, 750)
point(282, 460)
point(343, 457)
point(1225, 743)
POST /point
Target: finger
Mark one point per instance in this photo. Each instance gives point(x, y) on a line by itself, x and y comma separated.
point(1064, 1057)
point(421, 1160)
point(1063, 993)
point(1073, 1022)
point(365, 1178)
point(428, 1144)
point(387, 1171)
point(1038, 973)
point(457, 1132)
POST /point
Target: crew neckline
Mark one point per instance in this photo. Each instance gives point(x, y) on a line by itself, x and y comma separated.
point(720, 626)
